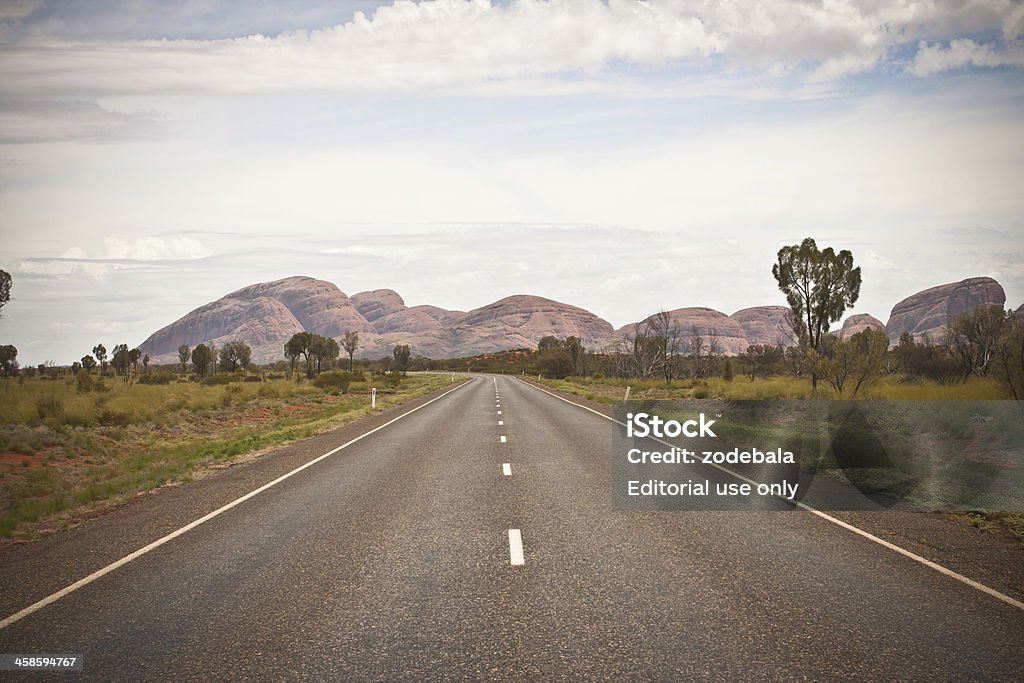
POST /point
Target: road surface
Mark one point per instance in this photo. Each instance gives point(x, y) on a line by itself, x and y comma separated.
point(391, 560)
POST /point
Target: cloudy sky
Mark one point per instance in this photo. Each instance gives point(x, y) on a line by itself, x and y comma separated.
point(621, 156)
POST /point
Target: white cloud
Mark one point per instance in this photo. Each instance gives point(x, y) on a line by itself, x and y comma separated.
point(117, 255)
point(932, 59)
point(153, 248)
point(459, 43)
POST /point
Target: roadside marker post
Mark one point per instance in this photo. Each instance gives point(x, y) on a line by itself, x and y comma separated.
point(373, 398)
point(626, 397)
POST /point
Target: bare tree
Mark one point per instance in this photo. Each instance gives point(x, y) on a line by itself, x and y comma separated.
point(644, 353)
point(350, 342)
point(700, 352)
point(1010, 356)
point(665, 329)
point(973, 337)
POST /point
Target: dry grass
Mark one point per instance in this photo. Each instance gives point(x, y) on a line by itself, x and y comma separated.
point(63, 453)
point(609, 390)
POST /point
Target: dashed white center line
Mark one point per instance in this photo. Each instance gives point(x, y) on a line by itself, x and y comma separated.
point(515, 548)
point(499, 412)
point(501, 423)
point(503, 439)
point(506, 469)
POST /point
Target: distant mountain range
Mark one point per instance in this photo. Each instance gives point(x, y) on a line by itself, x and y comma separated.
point(266, 315)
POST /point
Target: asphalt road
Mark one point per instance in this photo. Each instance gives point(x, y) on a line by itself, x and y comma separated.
point(390, 560)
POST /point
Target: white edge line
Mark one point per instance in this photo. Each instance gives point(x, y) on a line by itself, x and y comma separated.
point(506, 469)
point(838, 522)
point(99, 573)
point(515, 548)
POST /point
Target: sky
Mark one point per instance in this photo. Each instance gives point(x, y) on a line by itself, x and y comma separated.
point(620, 156)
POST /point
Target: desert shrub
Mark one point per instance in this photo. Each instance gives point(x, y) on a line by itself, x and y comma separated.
point(112, 418)
point(556, 364)
point(253, 378)
point(268, 391)
point(336, 380)
point(85, 382)
point(76, 420)
point(221, 378)
point(156, 377)
point(49, 405)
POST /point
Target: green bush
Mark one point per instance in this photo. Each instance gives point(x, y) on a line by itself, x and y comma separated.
point(156, 377)
point(253, 378)
point(85, 382)
point(337, 380)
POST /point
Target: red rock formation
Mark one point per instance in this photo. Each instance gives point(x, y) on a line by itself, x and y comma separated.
point(727, 333)
point(928, 313)
point(378, 303)
point(766, 325)
point(263, 315)
point(521, 321)
point(266, 315)
point(859, 323)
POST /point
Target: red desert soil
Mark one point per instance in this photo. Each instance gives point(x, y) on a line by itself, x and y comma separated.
point(16, 459)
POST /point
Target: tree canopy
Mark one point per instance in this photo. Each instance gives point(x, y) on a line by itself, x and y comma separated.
point(5, 288)
point(234, 355)
point(202, 356)
point(401, 354)
point(8, 359)
point(819, 286)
